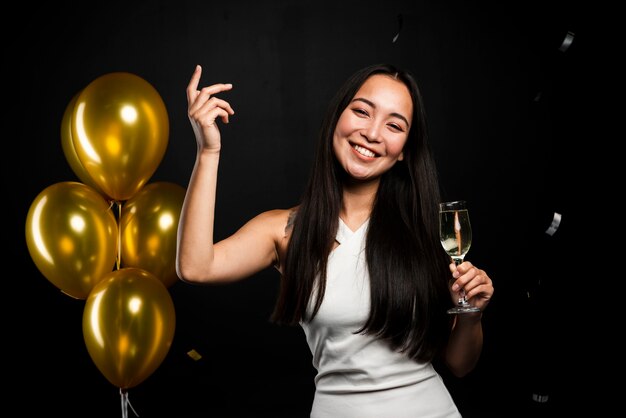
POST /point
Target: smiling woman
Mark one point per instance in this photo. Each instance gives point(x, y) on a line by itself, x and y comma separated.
point(505, 104)
point(373, 128)
point(362, 269)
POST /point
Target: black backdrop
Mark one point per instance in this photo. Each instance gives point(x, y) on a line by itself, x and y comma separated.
point(503, 101)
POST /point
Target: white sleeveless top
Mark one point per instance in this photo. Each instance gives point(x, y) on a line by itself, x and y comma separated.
point(359, 376)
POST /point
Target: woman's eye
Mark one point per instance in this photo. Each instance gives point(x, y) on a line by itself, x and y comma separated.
point(360, 112)
point(395, 127)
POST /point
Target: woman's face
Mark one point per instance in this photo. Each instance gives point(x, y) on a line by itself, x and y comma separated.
point(372, 130)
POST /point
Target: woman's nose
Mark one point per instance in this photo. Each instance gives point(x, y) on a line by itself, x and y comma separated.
point(372, 131)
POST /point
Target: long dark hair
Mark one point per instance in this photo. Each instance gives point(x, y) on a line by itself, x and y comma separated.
point(408, 268)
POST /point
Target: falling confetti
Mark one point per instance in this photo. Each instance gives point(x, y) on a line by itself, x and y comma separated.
point(395, 38)
point(569, 38)
point(556, 221)
point(194, 354)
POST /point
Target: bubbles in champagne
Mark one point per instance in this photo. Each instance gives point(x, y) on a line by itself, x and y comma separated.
point(455, 232)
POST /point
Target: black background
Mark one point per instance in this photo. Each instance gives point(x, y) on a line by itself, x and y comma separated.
point(505, 103)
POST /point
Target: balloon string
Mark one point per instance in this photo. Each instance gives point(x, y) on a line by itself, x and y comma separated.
point(124, 399)
point(119, 235)
point(126, 403)
point(131, 406)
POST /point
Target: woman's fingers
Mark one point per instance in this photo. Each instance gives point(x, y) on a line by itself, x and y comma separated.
point(208, 111)
point(205, 96)
point(198, 98)
point(482, 291)
point(203, 108)
point(462, 274)
point(208, 118)
point(473, 280)
point(214, 102)
point(192, 87)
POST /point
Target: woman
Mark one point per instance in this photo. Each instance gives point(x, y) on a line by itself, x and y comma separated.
point(362, 269)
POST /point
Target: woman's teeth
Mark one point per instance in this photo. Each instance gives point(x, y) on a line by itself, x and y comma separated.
point(364, 151)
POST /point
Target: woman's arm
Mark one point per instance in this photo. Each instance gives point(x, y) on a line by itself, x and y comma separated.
point(466, 340)
point(250, 249)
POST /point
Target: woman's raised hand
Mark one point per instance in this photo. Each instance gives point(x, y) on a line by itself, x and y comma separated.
point(203, 110)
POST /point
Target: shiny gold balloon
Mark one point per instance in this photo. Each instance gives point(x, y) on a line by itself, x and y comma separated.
point(148, 227)
point(72, 234)
point(120, 131)
point(128, 325)
point(68, 147)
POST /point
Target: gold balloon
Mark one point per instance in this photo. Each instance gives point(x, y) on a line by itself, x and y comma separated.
point(128, 325)
point(72, 236)
point(148, 228)
point(68, 147)
point(120, 131)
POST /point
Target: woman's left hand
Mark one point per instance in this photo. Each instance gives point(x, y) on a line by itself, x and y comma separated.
point(477, 284)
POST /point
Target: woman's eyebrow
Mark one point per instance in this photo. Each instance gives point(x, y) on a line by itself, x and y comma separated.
point(360, 99)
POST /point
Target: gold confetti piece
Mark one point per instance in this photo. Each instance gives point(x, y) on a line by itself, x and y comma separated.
point(194, 354)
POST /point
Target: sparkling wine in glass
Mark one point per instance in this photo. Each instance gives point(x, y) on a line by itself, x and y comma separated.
point(455, 233)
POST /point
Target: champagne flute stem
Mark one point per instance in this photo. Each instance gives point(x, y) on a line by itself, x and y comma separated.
point(462, 301)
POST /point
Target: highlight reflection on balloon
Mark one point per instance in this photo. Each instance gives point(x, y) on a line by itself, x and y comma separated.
point(120, 131)
point(148, 227)
point(128, 325)
point(71, 235)
point(68, 147)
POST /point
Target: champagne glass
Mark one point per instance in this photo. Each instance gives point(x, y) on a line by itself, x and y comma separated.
point(455, 233)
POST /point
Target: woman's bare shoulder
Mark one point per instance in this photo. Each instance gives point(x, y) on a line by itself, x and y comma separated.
point(279, 220)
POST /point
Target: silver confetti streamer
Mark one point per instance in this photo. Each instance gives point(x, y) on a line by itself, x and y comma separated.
point(395, 38)
point(569, 38)
point(556, 221)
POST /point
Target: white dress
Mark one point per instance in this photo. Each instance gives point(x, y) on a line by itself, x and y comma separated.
point(359, 376)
